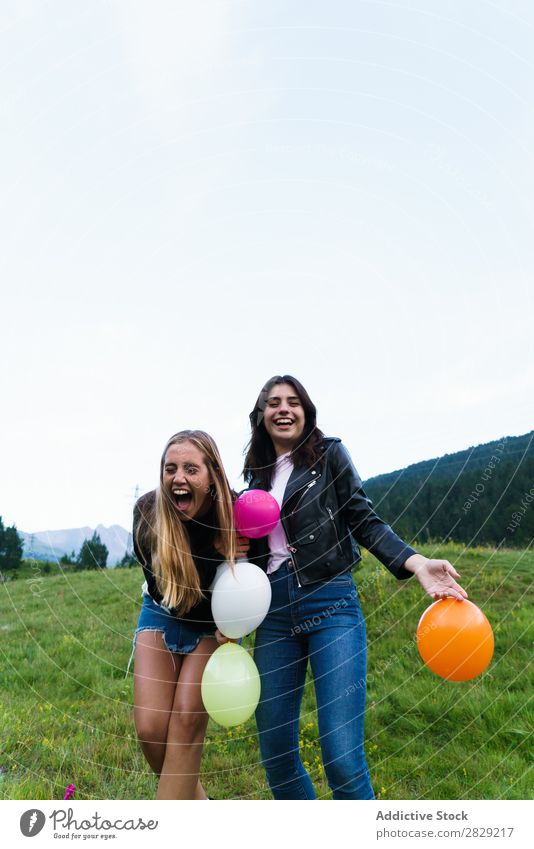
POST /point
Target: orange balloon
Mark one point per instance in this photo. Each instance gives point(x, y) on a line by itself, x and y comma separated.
point(455, 639)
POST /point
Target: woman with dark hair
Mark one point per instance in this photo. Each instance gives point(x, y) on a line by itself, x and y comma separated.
point(315, 613)
point(182, 531)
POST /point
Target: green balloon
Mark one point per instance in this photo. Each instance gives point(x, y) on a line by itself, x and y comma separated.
point(230, 685)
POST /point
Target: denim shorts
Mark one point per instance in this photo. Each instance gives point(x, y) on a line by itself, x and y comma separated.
point(178, 635)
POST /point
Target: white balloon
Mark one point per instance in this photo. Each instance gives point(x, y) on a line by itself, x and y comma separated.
point(240, 599)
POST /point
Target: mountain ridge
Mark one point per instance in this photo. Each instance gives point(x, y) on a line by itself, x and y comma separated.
point(480, 495)
point(52, 545)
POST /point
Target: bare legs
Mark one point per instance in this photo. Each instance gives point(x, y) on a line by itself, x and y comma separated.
point(155, 675)
point(187, 728)
point(169, 715)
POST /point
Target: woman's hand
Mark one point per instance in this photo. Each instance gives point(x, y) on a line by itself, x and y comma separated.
point(242, 545)
point(221, 639)
point(436, 577)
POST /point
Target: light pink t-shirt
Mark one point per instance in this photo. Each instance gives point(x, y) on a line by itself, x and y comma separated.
point(277, 539)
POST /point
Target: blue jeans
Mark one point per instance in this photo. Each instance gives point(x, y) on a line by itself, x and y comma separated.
point(323, 623)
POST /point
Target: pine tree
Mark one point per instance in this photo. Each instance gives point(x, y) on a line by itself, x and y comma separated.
point(93, 554)
point(11, 548)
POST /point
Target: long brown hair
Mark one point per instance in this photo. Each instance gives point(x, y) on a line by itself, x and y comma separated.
point(261, 456)
point(161, 532)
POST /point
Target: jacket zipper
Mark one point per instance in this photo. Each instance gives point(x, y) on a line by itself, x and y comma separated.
point(335, 529)
point(304, 490)
point(291, 548)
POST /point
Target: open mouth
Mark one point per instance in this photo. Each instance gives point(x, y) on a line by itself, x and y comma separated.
point(183, 499)
point(283, 422)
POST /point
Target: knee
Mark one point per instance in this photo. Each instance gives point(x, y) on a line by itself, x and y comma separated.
point(346, 773)
point(151, 726)
point(339, 772)
point(187, 724)
point(280, 764)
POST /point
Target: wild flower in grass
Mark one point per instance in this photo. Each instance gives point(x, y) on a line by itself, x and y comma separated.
point(317, 765)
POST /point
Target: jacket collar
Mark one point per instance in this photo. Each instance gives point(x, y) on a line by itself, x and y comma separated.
point(302, 476)
point(299, 478)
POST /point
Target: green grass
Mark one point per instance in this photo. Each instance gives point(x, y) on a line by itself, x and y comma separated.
point(66, 706)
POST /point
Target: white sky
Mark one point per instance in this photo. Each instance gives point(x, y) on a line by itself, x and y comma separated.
point(198, 196)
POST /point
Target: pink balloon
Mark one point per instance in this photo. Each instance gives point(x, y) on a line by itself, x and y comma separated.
point(256, 513)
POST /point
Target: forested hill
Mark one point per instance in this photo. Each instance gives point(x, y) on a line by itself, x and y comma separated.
point(482, 495)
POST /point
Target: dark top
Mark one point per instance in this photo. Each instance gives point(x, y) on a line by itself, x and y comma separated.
point(205, 557)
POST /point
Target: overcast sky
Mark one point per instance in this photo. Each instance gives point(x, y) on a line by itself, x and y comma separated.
point(196, 196)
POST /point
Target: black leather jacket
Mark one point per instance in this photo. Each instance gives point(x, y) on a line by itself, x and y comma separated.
point(322, 507)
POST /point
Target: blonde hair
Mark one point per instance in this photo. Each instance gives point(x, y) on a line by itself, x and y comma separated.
point(162, 533)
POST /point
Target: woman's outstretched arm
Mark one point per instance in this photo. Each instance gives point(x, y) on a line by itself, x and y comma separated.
point(365, 525)
point(437, 577)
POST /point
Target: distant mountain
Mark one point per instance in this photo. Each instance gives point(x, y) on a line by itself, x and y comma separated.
point(484, 494)
point(51, 545)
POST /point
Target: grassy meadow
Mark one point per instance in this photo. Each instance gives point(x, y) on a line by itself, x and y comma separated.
point(66, 705)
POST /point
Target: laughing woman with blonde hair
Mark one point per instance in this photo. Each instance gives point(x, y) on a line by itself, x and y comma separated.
point(182, 531)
